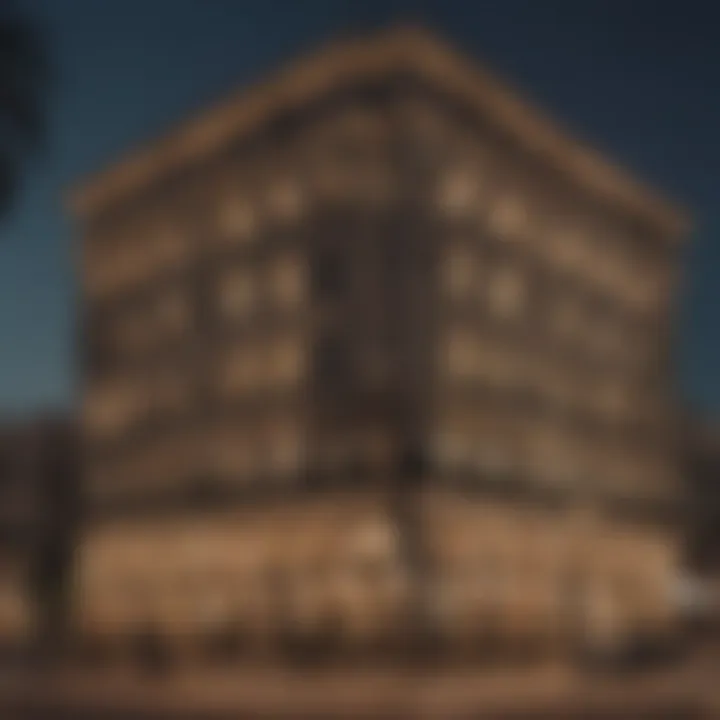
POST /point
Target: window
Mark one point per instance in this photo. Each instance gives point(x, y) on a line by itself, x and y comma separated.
point(171, 314)
point(567, 250)
point(566, 317)
point(506, 292)
point(169, 247)
point(459, 270)
point(111, 408)
point(240, 371)
point(99, 350)
point(491, 446)
point(287, 281)
point(507, 217)
point(237, 293)
point(461, 353)
point(231, 453)
point(237, 220)
point(286, 449)
point(551, 453)
point(328, 276)
point(613, 399)
point(170, 394)
point(135, 332)
point(495, 365)
point(332, 362)
point(286, 200)
point(287, 360)
point(457, 192)
point(454, 444)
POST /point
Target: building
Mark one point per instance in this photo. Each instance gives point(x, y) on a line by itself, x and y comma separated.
point(39, 504)
point(702, 538)
point(375, 354)
point(702, 455)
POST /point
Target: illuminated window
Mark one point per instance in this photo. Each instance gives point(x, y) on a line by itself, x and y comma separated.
point(491, 444)
point(644, 291)
point(286, 449)
point(237, 293)
point(332, 358)
point(566, 317)
point(506, 292)
point(552, 456)
point(567, 249)
point(168, 248)
point(127, 264)
point(604, 269)
point(232, 453)
point(458, 192)
point(375, 540)
point(287, 282)
point(459, 271)
point(172, 314)
point(495, 365)
point(237, 220)
point(111, 408)
point(614, 400)
point(134, 333)
point(287, 360)
point(286, 200)
point(460, 351)
point(329, 276)
point(454, 444)
point(508, 217)
point(240, 371)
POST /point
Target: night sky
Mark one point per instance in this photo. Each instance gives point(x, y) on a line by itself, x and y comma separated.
point(640, 80)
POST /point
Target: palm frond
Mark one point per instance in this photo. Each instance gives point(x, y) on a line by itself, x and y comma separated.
point(23, 82)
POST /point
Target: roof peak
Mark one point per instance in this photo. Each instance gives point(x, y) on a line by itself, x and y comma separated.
point(407, 45)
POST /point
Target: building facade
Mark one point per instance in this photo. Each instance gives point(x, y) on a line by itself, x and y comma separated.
point(39, 504)
point(373, 354)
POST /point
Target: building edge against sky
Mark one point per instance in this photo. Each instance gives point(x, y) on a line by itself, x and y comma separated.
point(406, 48)
point(622, 566)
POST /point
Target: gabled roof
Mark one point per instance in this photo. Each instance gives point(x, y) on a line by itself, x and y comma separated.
point(407, 48)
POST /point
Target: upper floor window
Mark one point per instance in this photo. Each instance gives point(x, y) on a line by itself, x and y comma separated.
point(286, 359)
point(240, 370)
point(112, 407)
point(566, 317)
point(170, 394)
point(287, 281)
point(285, 448)
point(237, 220)
point(237, 293)
point(231, 453)
point(328, 273)
point(169, 246)
point(458, 192)
point(507, 216)
point(172, 314)
point(332, 359)
point(553, 457)
point(286, 200)
point(460, 353)
point(459, 269)
point(506, 291)
point(453, 446)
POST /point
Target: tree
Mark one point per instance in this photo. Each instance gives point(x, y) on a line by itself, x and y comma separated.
point(23, 76)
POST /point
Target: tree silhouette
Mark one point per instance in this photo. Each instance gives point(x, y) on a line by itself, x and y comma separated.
point(23, 76)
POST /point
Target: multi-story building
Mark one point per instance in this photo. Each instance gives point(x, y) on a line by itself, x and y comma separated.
point(38, 517)
point(374, 352)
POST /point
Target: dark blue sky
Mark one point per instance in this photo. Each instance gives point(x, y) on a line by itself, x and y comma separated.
point(640, 79)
